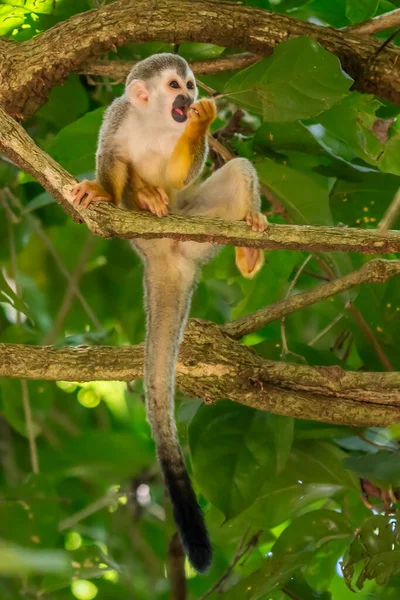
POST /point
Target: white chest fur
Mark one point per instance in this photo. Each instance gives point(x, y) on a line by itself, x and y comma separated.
point(148, 147)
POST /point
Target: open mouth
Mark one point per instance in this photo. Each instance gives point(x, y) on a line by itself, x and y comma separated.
point(179, 114)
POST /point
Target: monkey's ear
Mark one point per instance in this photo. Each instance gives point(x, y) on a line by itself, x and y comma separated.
point(137, 92)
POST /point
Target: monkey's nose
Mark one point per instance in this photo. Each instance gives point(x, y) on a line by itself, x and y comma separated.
point(181, 100)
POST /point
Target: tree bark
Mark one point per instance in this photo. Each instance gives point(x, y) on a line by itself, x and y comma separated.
point(212, 366)
point(28, 70)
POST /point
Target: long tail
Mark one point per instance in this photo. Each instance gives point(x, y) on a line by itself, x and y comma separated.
point(168, 294)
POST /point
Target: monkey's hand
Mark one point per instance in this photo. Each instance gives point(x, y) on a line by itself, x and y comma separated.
point(200, 116)
point(92, 191)
point(152, 198)
point(250, 260)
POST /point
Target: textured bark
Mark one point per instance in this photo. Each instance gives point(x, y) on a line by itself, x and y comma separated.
point(119, 69)
point(28, 70)
point(212, 366)
point(380, 23)
point(109, 221)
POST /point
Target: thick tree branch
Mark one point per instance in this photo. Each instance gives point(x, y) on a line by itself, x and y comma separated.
point(118, 70)
point(211, 366)
point(375, 271)
point(379, 23)
point(109, 221)
point(30, 69)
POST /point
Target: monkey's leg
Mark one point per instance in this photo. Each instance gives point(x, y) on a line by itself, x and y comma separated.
point(231, 193)
point(108, 187)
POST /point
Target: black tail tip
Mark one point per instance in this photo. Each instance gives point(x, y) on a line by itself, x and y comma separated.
point(188, 517)
point(199, 555)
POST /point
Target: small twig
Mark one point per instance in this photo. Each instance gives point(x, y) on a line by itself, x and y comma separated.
point(71, 289)
point(325, 330)
point(288, 594)
point(89, 510)
point(371, 337)
point(57, 258)
point(29, 426)
point(176, 569)
point(379, 23)
point(252, 543)
point(385, 44)
point(375, 271)
point(391, 214)
point(285, 349)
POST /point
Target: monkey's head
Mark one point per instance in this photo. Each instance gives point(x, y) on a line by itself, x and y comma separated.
point(163, 86)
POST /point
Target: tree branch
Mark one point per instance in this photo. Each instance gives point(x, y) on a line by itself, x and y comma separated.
point(176, 569)
point(211, 366)
point(119, 69)
point(375, 271)
point(30, 69)
point(379, 23)
point(109, 221)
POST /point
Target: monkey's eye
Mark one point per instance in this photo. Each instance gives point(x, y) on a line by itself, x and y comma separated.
point(174, 84)
point(190, 85)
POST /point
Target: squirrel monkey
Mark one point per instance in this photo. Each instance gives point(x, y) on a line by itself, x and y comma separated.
point(152, 146)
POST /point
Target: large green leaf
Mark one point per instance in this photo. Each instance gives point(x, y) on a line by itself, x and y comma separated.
point(353, 120)
point(374, 552)
point(361, 10)
point(30, 513)
point(305, 196)
point(313, 472)
point(19, 561)
point(299, 81)
point(293, 549)
point(75, 145)
point(382, 468)
point(234, 449)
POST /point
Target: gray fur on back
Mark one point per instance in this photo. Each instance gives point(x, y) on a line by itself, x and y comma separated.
point(147, 68)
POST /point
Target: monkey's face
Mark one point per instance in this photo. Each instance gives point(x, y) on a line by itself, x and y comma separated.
point(176, 94)
point(165, 97)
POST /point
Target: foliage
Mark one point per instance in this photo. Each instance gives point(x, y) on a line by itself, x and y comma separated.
point(285, 492)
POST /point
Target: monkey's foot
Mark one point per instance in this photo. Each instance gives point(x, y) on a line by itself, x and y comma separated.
point(153, 199)
point(256, 220)
point(250, 260)
point(87, 192)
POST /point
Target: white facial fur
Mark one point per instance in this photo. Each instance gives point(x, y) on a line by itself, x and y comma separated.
point(155, 97)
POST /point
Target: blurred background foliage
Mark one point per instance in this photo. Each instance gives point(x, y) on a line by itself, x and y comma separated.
point(282, 497)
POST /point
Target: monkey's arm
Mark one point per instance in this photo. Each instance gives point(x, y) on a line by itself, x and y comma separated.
point(187, 158)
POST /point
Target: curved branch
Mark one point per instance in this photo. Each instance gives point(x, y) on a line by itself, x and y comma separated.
point(109, 221)
point(379, 23)
point(212, 366)
point(30, 69)
point(118, 70)
point(375, 271)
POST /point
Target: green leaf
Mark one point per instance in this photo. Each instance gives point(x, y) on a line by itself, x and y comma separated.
point(72, 94)
point(304, 195)
point(30, 513)
point(41, 399)
point(299, 81)
point(19, 561)
point(353, 120)
point(382, 468)
point(8, 296)
point(361, 10)
point(293, 549)
point(374, 552)
point(313, 472)
point(75, 145)
point(109, 456)
point(233, 450)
